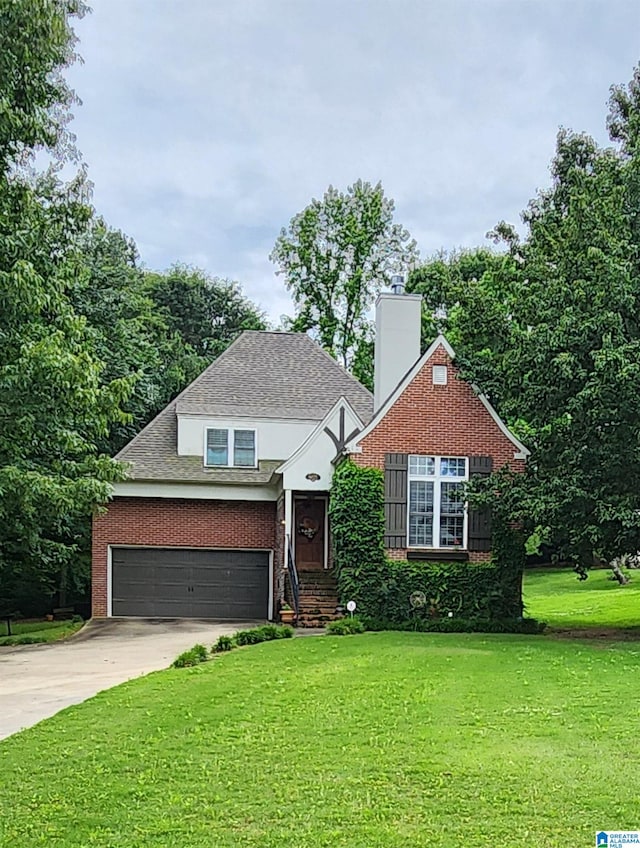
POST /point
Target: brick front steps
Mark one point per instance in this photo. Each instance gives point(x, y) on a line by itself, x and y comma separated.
point(318, 598)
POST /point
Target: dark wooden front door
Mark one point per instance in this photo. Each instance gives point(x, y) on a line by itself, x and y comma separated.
point(309, 533)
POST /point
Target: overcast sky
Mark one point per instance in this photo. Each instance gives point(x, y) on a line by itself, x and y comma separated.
point(207, 124)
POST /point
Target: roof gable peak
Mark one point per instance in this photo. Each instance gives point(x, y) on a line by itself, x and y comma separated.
point(439, 341)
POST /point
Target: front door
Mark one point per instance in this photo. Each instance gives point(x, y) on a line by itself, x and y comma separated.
point(309, 514)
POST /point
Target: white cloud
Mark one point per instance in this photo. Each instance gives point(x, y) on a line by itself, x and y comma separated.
point(207, 126)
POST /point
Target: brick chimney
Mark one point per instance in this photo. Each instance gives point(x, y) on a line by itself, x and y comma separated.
point(397, 341)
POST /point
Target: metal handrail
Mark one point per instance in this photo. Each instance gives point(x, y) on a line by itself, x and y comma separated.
point(293, 577)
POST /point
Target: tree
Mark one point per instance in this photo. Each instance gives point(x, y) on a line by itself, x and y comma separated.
point(578, 350)
point(208, 313)
point(335, 256)
point(54, 405)
point(555, 323)
point(159, 330)
point(130, 334)
point(471, 297)
point(551, 327)
point(37, 43)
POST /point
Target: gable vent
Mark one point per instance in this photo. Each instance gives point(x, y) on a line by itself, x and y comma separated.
point(439, 375)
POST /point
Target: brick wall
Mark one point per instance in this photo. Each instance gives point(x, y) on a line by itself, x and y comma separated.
point(166, 522)
point(278, 558)
point(441, 421)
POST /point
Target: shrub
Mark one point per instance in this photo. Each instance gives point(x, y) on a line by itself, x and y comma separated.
point(224, 643)
point(356, 512)
point(266, 633)
point(269, 632)
point(194, 656)
point(201, 652)
point(468, 590)
point(345, 627)
point(249, 637)
point(530, 626)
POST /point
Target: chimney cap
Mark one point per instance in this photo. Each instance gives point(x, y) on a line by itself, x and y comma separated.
point(397, 284)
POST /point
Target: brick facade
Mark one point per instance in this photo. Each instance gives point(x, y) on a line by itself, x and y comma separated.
point(425, 419)
point(279, 555)
point(447, 420)
point(168, 522)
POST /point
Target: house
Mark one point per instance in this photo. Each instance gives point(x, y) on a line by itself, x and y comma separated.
point(225, 507)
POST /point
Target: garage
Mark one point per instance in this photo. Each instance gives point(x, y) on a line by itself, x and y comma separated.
point(190, 583)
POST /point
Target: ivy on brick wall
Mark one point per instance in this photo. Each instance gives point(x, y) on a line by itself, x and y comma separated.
point(382, 588)
point(508, 551)
point(356, 512)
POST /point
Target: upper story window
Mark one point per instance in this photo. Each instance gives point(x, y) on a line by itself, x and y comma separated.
point(436, 501)
point(230, 448)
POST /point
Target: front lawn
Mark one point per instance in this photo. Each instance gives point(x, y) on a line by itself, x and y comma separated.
point(30, 632)
point(559, 598)
point(385, 740)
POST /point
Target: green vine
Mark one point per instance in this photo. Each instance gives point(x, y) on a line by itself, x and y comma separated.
point(382, 587)
point(356, 514)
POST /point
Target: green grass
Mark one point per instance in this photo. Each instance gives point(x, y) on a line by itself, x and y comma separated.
point(30, 632)
point(384, 740)
point(559, 598)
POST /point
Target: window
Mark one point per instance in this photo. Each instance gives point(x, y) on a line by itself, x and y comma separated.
point(223, 445)
point(451, 515)
point(436, 501)
point(421, 513)
point(244, 447)
point(421, 466)
point(452, 467)
point(217, 447)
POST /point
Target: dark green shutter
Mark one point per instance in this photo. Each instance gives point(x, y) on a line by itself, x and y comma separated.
point(395, 500)
point(479, 530)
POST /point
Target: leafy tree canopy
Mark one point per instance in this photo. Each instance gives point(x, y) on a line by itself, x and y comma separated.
point(470, 296)
point(54, 405)
point(36, 44)
point(131, 335)
point(335, 256)
point(551, 328)
point(206, 312)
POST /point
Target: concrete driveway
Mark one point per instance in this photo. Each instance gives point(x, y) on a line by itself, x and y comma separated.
point(36, 681)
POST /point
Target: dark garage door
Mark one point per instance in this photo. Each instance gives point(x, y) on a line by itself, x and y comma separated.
point(181, 583)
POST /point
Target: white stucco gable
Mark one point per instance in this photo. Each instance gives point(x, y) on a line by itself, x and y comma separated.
point(314, 458)
point(275, 438)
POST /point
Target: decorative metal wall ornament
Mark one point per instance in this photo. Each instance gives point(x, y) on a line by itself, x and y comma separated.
point(417, 600)
point(308, 527)
point(342, 438)
point(313, 477)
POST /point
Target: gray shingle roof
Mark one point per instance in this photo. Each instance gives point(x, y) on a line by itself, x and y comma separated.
point(274, 375)
point(261, 375)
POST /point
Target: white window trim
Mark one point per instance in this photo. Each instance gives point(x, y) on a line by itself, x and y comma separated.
point(230, 440)
point(437, 479)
